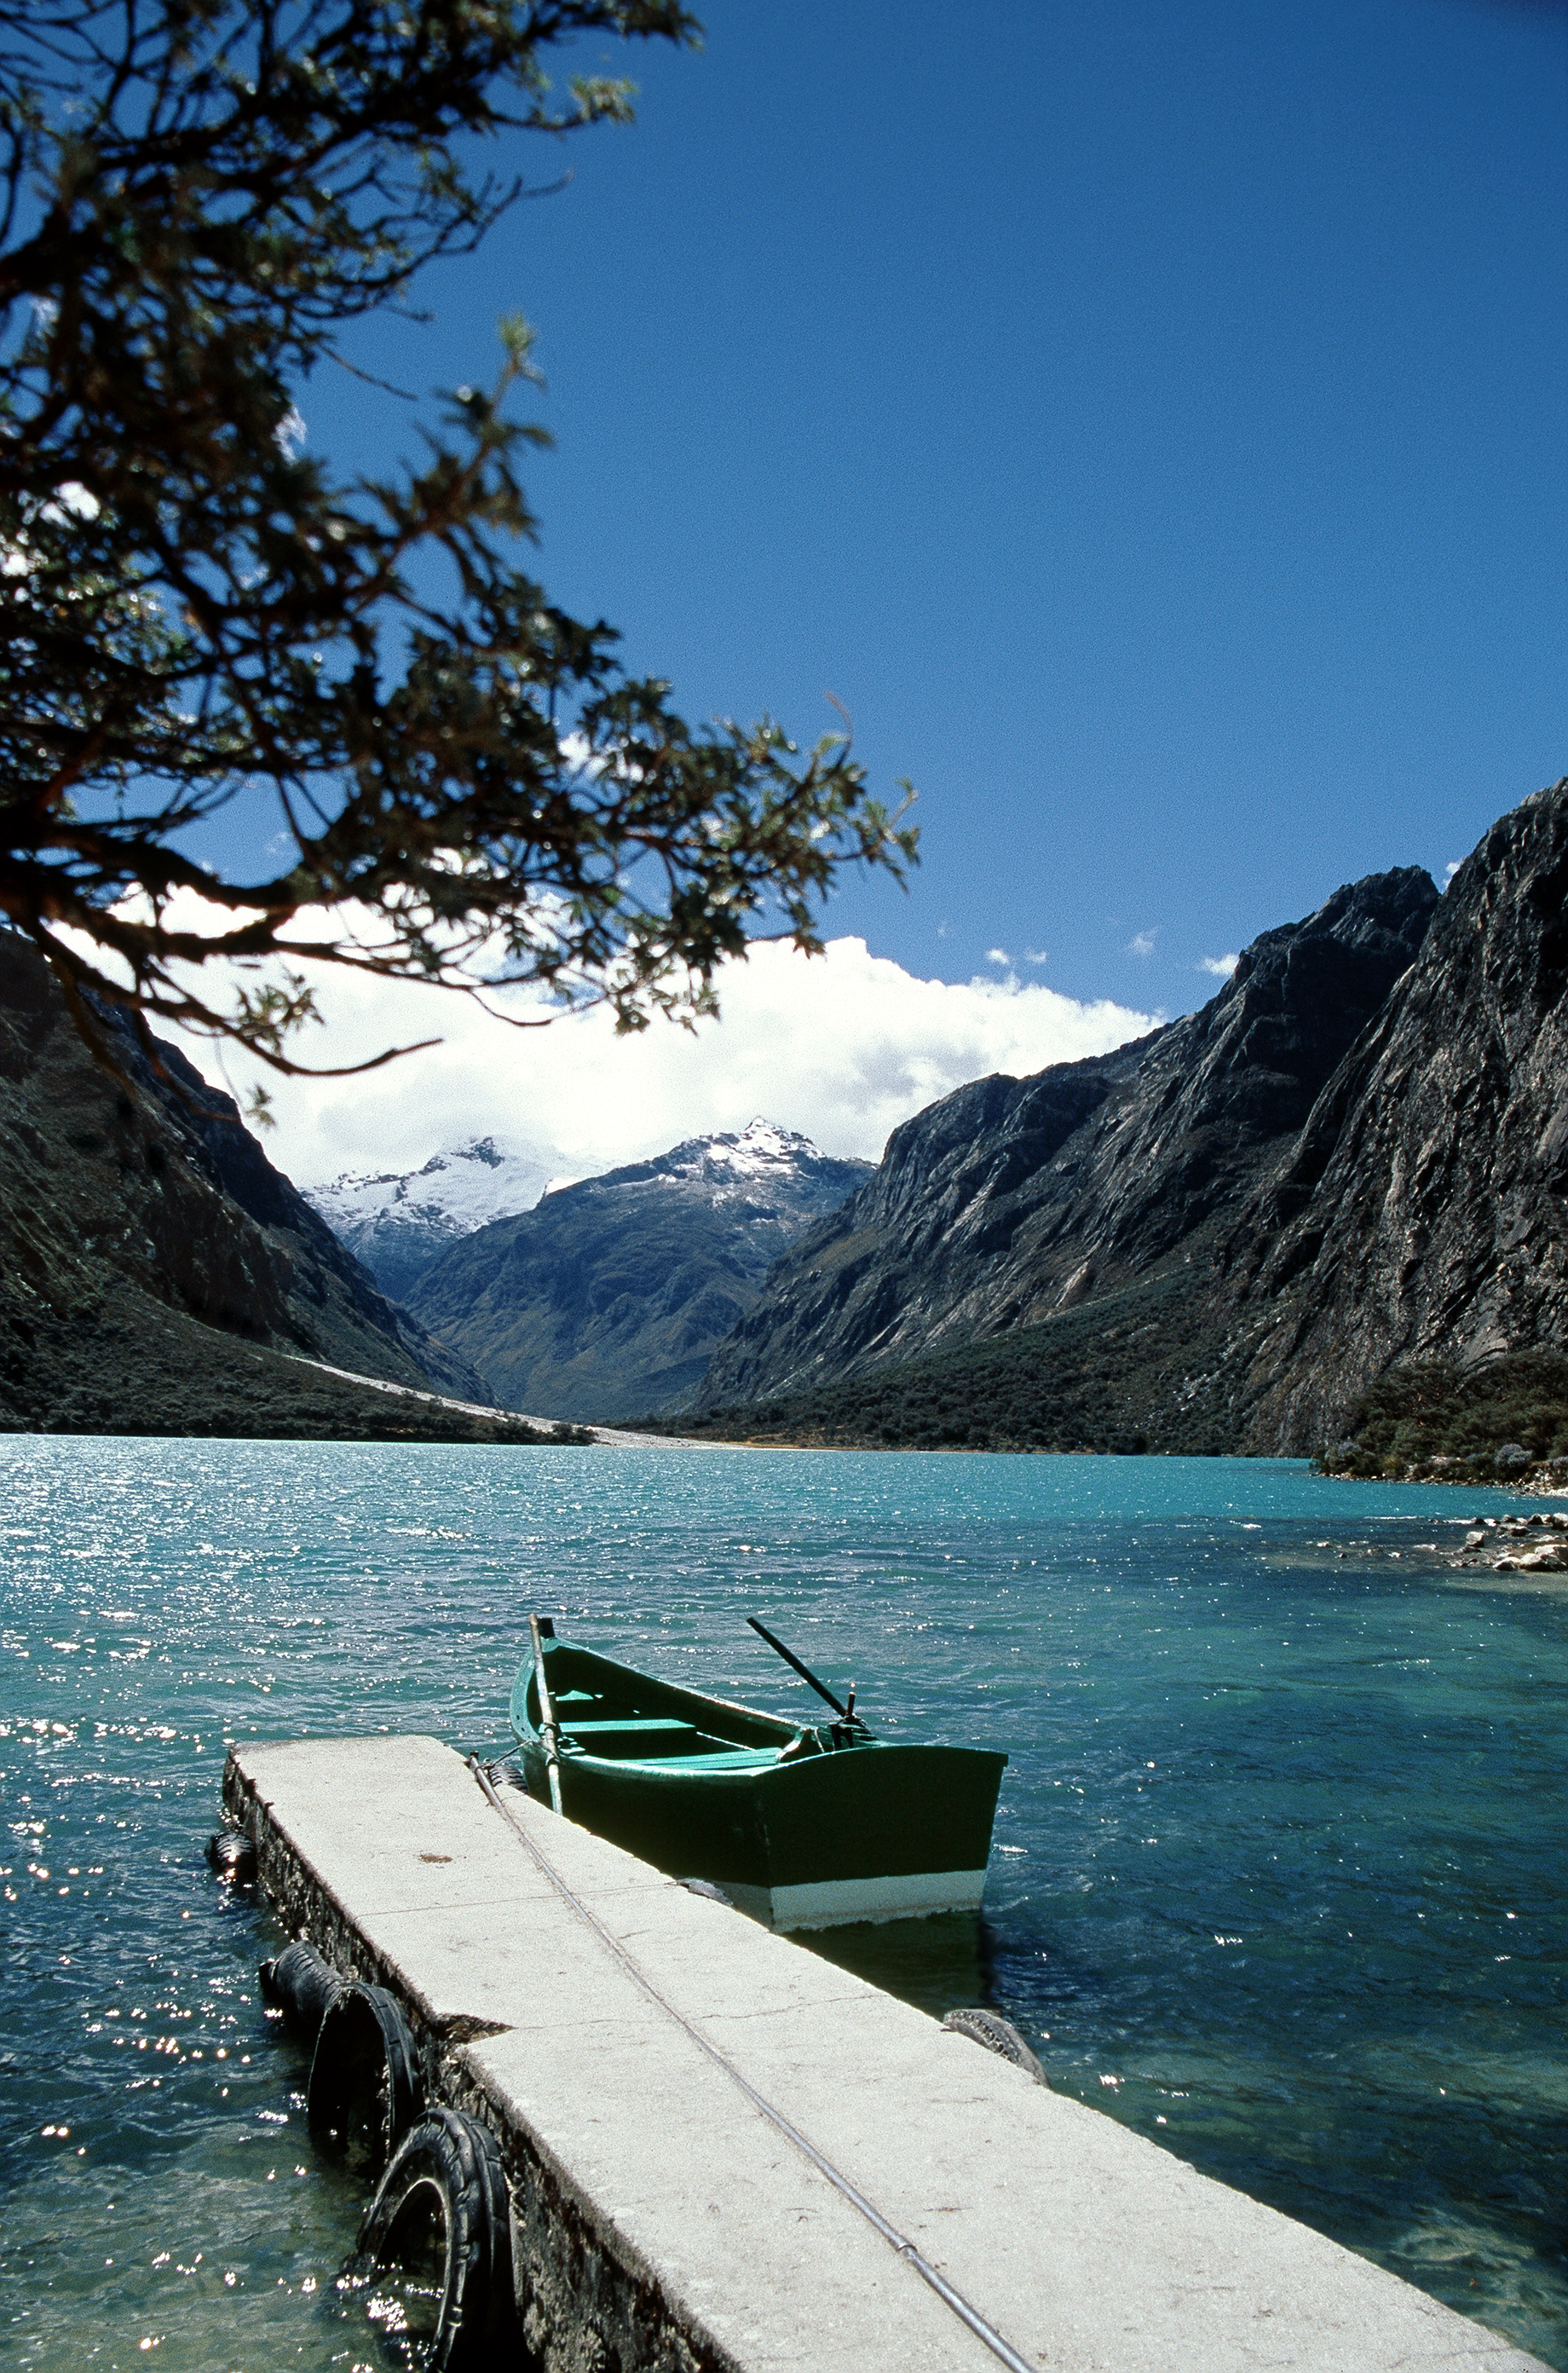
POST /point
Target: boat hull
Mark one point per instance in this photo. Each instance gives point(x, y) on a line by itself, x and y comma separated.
point(875, 1832)
point(846, 1902)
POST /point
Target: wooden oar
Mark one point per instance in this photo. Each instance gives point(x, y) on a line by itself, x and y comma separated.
point(846, 1713)
point(547, 1728)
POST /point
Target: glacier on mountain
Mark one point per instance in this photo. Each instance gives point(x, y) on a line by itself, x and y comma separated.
point(610, 1296)
point(398, 1221)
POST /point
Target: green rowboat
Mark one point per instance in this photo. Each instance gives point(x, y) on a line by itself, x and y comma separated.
point(801, 1825)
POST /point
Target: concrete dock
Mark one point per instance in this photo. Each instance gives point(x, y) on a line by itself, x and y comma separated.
point(661, 2221)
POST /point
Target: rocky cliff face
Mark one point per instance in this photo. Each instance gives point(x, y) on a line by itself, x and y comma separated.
point(148, 1241)
point(398, 1221)
point(1423, 1209)
point(606, 1301)
point(1015, 1201)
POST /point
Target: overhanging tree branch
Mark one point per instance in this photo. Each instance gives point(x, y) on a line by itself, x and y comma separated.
point(194, 612)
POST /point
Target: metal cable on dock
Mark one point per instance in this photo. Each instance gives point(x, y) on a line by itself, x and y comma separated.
point(895, 2240)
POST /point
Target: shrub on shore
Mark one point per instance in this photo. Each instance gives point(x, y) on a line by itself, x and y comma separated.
point(1427, 1421)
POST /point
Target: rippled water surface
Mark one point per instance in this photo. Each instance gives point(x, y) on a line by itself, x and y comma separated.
point(1279, 1875)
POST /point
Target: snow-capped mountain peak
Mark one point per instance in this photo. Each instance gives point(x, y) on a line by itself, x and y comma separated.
point(396, 1222)
point(612, 1292)
point(760, 1152)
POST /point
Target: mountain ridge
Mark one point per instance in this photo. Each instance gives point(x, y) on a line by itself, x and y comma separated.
point(1217, 1238)
point(1197, 1281)
point(159, 1274)
point(604, 1302)
point(397, 1222)
point(1424, 1211)
point(1012, 1201)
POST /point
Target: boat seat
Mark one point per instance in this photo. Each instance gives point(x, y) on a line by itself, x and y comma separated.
point(730, 1758)
point(635, 1722)
point(632, 1740)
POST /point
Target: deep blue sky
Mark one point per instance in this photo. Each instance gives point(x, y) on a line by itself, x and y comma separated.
point(1147, 417)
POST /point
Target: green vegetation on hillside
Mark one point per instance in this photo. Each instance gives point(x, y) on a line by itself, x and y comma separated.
point(1146, 1370)
point(1424, 1419)
point(1132, 1372)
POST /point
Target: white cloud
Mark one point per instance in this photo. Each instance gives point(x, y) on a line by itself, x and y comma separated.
point(1142, 943)
point(1220, 967)
point(1036, 957)
point(844, 1047)
point(1450, 870)
point(999, 956)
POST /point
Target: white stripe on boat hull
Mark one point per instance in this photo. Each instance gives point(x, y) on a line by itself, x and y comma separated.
point(835, 1902)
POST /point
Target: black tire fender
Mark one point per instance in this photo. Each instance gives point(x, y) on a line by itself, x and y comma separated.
point(364, 2091)
point(302, 1985)
point(997, 2034)
point(446, 2186)
point(232, 1857)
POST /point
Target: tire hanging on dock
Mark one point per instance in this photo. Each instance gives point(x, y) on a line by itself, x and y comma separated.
point(302, 1985)
point(999, 2035)
point(364, 2090)
point(440, 2217)
point(231, 1856)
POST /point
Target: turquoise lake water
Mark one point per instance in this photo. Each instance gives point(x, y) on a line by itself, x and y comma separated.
point(1279, 1875)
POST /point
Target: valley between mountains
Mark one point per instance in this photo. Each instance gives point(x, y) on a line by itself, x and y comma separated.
point(1326, 1212)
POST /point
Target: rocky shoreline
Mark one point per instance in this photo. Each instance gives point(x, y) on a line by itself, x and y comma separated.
point(1533, 1544)
point(1529, 1544)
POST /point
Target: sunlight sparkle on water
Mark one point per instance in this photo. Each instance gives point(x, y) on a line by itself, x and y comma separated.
point(1280, 1872)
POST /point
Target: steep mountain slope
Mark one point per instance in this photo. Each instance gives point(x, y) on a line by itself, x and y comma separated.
point(607, 1300)
point(1424, 1207)
point(1014, 1201)
point(397, 1222)
point(147, 1239)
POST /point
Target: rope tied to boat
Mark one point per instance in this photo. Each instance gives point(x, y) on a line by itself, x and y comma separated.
point(950, 2297)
